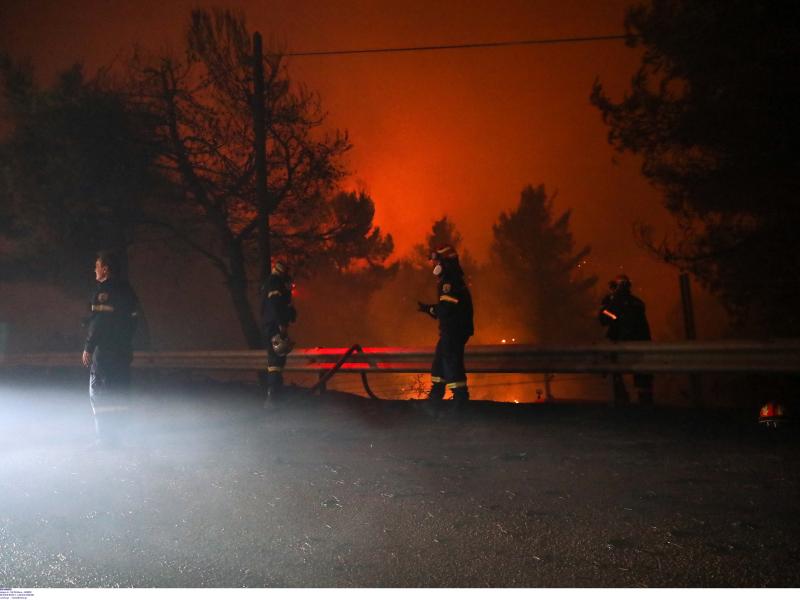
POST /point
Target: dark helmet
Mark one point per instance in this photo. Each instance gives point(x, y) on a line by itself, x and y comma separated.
point(621, 283)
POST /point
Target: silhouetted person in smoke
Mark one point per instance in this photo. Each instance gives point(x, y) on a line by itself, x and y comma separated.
point(277, 312)
point(454, 313)
point(108, 349)
point(624, 315)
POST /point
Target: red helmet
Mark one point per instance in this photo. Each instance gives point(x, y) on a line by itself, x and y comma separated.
point(771, 414)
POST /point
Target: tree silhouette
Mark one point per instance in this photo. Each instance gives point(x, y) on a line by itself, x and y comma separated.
point(392, 311)
point(713, 114)
point(443, 233)
point(538, 275)
point(200, 108)
point(74, 177)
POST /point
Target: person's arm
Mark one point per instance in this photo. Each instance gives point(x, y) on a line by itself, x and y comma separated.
point(428, 309)
point(278, 307)
point(283, 310)
point(607, 313)
point(92, 335)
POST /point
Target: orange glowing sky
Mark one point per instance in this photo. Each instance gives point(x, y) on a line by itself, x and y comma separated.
point(456, 132)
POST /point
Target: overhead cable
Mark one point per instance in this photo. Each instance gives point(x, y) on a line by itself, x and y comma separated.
point(542, 41)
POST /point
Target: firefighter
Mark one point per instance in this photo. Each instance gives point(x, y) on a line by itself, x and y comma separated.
point(277, 312)
point(625, 317)
point(108, 351)
point(454, 313)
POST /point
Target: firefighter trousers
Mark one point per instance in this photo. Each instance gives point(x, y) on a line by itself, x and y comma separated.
point(275, 363)
point(448, 371)
point(109, 393)
point(643, 382)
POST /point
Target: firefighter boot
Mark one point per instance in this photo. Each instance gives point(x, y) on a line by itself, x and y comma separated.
point(269, 401)
point(274, 389)
point(621, 397)
point(644, 388)
point(275, 396)
point(460, 399)
point(435, 397)
point(106, 433)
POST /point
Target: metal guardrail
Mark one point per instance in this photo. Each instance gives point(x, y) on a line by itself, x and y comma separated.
point(326, 376)
point(628, 357)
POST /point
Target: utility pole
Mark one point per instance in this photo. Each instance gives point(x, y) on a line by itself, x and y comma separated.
point(688, 308)
point(691, 333)
point(260, 156)
point(259, 130)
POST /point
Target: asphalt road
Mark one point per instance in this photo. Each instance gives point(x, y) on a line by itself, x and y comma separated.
point(212, 491)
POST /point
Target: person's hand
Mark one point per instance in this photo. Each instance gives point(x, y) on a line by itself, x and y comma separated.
point(282, 329)
point(86, 358)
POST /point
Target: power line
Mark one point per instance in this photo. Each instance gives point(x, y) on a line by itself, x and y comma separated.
point(542, 41)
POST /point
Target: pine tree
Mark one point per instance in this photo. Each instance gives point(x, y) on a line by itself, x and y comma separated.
point(537, 276)
point(712, 113)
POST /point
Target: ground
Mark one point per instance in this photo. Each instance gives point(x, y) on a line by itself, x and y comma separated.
point(210, 490)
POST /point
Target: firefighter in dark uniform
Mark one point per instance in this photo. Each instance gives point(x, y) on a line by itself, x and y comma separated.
point(624, 315)
point(277, 312)
point(454, 313)
point(108, 351)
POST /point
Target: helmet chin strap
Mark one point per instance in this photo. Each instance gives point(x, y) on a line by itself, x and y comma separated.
point(437, 270)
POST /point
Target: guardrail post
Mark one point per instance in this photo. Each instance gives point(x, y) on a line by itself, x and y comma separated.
point(324, 377)
point(548, 394)
point(321, 382)
point(695, 390)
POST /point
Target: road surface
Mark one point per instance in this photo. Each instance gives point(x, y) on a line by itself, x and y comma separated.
point(212, 491)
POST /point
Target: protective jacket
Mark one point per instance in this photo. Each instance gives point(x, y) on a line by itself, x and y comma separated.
point(276, 307)
point(454, 308)
point(624, 315)
point(113, 319)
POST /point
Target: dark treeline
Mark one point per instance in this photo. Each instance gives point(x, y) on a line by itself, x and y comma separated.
point(531, 289)
point(162, 152)
point(156, 156)
point(713, 113)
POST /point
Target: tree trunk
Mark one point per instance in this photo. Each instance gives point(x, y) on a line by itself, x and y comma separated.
point(237, 286)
